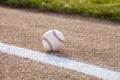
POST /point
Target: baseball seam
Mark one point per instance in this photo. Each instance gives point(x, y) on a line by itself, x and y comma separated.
point(62, 41)
point(50, 45)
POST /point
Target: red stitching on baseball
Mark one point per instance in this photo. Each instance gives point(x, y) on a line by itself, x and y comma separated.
point(50, 45)
point(57, 37)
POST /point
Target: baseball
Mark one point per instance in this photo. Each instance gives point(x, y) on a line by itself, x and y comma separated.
point(53, 40)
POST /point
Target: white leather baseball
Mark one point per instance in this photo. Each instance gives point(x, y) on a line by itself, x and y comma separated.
point(53, 40)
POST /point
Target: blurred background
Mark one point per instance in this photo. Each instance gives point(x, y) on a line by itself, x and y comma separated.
point(105, 9)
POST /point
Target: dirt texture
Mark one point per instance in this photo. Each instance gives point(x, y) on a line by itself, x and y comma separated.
point(87, 40)
point(15, 68)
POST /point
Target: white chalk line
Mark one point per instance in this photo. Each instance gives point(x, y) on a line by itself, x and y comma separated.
point(87, 69)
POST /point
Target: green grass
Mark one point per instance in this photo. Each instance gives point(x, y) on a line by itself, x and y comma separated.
point(107, 9)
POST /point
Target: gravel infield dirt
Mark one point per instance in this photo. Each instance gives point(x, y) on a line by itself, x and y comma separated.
point(87, 40)
point(15, 68)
